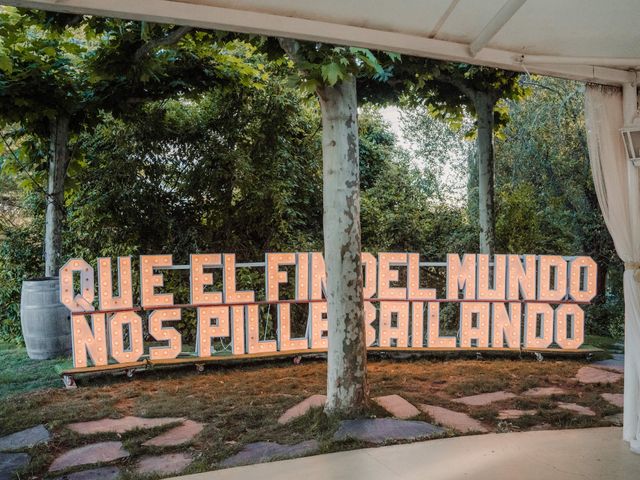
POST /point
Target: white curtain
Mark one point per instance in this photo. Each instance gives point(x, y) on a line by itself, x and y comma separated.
point(618, 189)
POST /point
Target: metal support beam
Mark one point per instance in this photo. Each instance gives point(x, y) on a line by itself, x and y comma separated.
point(490, 30)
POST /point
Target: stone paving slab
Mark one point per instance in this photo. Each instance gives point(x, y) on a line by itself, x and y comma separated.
point(616, 399)
point(168, 464)
point(544, 392)
point(120, 425)
point(104, 473)
point(574, 407)
point(89, 454)
point(616, 363)
point(314, 401)
point(397, 406)
point(456, 420)
point(176, 436)
point(25, 438)
point(485, 398)
point(11, 462)
point(380, 430)
point(513, 414)
point(615, 419)
point(261, 452)
point(597, 375)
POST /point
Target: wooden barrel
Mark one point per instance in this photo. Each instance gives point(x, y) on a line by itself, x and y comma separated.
point(46, 325)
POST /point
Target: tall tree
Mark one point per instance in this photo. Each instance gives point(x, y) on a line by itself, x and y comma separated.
point(455, 89)
point(331, 72)
point(59, 72)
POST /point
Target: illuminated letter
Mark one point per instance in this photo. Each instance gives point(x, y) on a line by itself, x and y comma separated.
point(399, 331)
point(254, 344)
point(213, 322)
point(478, 330)
point(506, 325)
point(433, 329)
point(116, 335)
point(201, 279)
point(461, 276)
point(274, 276)
point(417, 324)
point(231, 295)
point(318, 276)
point(576, 267)
point(150, 280)
point(485, 292)
point(538, 317)
point(568, 315)
point(388, 275)
point(547, 291)
point(237, 327)
point(413, 272)
point(83, 302)
point(161, 334)
point(105, 286)
point(370, 314)
point(319, 325)
point(285, 342)
point(521, 279)
point(302, 276)
point(369, 267)
point(89, 338)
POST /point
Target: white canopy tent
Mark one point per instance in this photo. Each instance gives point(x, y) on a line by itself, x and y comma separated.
point(588, 40)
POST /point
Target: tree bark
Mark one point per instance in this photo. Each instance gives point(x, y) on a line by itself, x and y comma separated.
point(58, 164)
point(484, 105)
point(347, 388)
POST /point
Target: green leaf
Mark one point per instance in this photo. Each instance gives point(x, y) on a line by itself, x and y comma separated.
point(6, 65)
point(332, 72)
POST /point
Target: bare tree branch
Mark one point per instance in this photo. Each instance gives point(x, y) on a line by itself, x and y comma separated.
point(292, 48)
point(171, 38)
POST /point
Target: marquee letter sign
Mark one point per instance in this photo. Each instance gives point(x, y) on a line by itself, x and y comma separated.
point(507, 301)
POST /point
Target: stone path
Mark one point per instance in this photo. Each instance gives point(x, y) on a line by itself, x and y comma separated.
point(176, 436)
point(514, 414)
point(574, 407)
point(615, 419)
point(104, 473)
point(170, 463)
point(616, 399)
point(89, 454)
point(12, 462)
point(120, 425)
point(544, 392)
point(397, 406)
point(266, 451)
point(597, 375)
point(616, 363)
point(485, 398)
point(456, 420)
point(314, 401)
point(380, 430)
point(25, 438)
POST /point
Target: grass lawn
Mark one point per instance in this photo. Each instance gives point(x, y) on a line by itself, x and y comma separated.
point(240, 405)
point(19, 374)
point(605, 343)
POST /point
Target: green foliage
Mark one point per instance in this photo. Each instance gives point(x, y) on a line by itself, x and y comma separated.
point(546, 198)
point(20, 258)
point(320, 64)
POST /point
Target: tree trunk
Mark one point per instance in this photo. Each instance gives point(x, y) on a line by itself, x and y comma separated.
point(58, 163)
point(347, 388)
point(484, 105)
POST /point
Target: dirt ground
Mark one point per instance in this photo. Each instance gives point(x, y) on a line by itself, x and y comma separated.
point(240, 405)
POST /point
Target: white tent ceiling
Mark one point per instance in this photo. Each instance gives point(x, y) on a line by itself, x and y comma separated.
point(590, 40)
